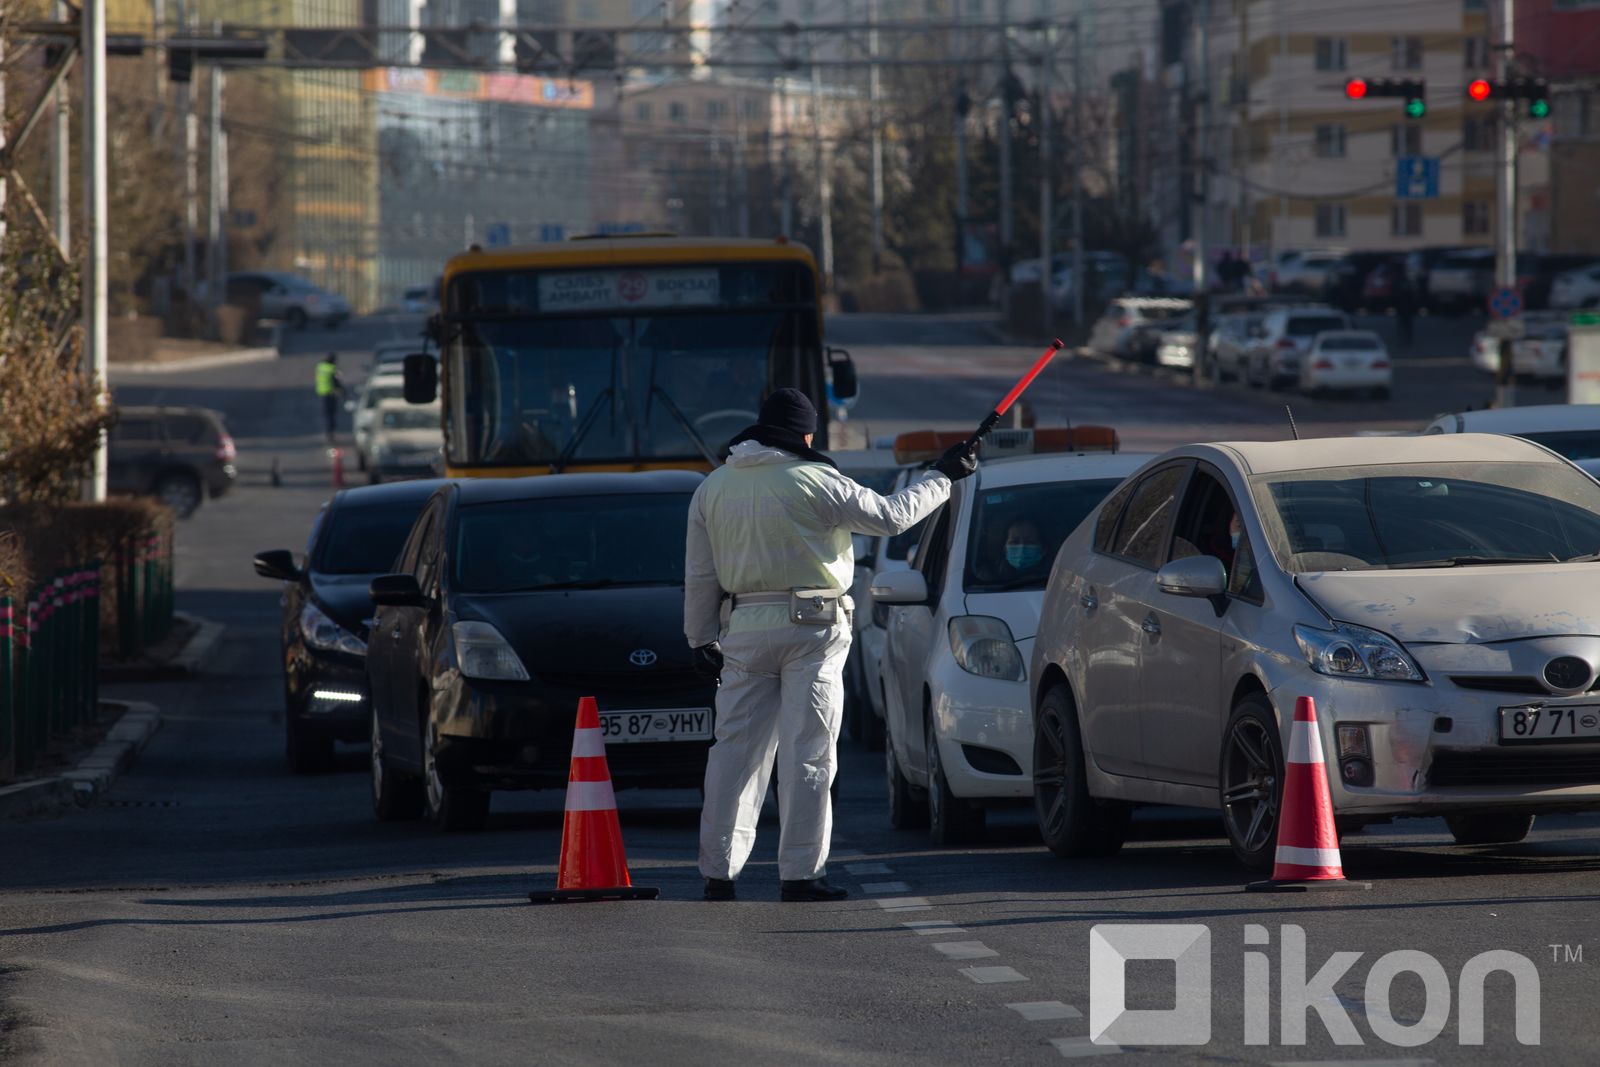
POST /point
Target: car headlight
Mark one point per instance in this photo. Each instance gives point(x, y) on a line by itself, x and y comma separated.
point(983, 646)
point(323, 633)
point(1349, 651)
point(483, 653)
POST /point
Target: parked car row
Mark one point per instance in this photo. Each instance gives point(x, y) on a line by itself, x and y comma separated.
point(1444, 280)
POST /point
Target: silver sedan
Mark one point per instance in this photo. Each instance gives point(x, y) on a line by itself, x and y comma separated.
point(1439, 598)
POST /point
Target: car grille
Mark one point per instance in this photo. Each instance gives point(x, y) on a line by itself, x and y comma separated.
point(1514, 768)
point(1507, 683)
point(636, 681)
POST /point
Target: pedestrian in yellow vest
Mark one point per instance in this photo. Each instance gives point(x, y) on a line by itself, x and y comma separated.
point(330, 389)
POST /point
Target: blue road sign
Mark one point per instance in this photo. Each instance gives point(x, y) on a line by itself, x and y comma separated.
point(497, 235)
point(551, 231)
point(1416, 178)
point(1505, 302)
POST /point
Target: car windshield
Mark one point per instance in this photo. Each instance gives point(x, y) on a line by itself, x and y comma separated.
point(377, 394)
point(570, 543)
point(1438, 515)
point(1574, 444)
point(1350, 344)
point(1017, 530)
point(1311, 325)
point(365, 538)
point(420, 418)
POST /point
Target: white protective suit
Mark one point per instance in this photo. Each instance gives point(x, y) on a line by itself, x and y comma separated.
point(770, 522)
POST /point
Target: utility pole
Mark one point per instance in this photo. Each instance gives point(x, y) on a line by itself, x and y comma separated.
point(214, 234)
point(1007, 231)
point(1505, 257)
point(963, 107)
point(741, 165)
point(1199, 366)
point(94, 217)
point(158, 19)
point(61, 184)
point(824, 180)
point(1080, 280)
point(187, 153)
point(1047, 317)
point(785, 164)
point(875, 116)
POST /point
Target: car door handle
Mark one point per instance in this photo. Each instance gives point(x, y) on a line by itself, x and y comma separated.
point(1151, 625)
point(1089, 601)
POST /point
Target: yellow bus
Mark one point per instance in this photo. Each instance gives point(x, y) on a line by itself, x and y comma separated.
point(620, 354)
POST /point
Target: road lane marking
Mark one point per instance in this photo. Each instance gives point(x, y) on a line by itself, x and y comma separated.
point(1075, 1047)
point(933, 926)
point(965, 950)
point(867, 868)
point(1355, 1063)
point(884, 887)
point(1036, 1011)
point(904, 904)
point(993, 975)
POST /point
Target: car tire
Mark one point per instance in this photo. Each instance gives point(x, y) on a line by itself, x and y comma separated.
point(395, 796)
point(309, 749)
point(450, 809)
point(1072, 823)
point(951, 820)
point(295, 319)
point(907, 811)
point(180, 491)
point(1250, 781)
point(1488, 829)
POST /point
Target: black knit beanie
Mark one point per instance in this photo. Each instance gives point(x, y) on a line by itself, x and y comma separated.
point(789, 410)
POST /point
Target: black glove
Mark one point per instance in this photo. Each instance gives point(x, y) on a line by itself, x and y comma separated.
point(707, 661)
point(958, 462)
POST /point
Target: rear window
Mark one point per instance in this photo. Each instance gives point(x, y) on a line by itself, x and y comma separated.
point(1017, 531)
point(134, 430)
point(1311, 325)
point(1574, 444)
point(365, 538)
point(186, 429)
point(411, 418)
point(570, 542)
point(1350, 344)
point(377, 394)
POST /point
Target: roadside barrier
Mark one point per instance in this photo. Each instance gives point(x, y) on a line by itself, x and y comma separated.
point(49, 656)
point(1308, 843)
point(593, 865)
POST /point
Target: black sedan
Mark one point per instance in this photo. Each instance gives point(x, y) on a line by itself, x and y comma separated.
point(514, 599)
point(326, 609)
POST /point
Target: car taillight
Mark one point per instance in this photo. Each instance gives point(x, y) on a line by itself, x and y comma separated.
point(1287, 343)
point(225, 450)
point(1124, 322)
point(1380, 364)
point(1323, 364)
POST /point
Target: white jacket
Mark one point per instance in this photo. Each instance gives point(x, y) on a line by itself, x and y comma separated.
point(768, 521)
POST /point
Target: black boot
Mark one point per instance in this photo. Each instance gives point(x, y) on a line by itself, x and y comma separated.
point(807, 889)
point(719, 889)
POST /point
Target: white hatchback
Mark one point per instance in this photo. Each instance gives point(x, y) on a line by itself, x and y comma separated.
point(960, 627)
point(1347, 361)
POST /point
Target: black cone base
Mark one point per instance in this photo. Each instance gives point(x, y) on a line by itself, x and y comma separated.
point(569, 896)
point(1312, 886)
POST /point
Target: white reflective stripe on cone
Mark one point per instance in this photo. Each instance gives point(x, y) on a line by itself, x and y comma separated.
point(1308, 857)
point(1305, 744)
point(588, 742)
point(591, 796)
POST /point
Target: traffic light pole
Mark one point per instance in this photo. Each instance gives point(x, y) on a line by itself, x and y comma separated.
point(95, 221)
point(1505, 260)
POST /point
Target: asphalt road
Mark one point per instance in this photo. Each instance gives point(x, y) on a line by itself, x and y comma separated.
point(219, 909)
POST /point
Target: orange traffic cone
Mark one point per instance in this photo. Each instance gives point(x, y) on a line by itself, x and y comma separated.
point(337, 455)
point(593, 865)
point(1308, 844)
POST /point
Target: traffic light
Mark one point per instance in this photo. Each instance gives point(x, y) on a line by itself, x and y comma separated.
point(1536, 91)
point(1413, 91)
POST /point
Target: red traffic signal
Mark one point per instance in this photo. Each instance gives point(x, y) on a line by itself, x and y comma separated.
point(1479, 89)
point(1355, 88)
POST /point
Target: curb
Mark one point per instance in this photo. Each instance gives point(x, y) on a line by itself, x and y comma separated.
point(93, 774)
point(187, 660)
point(221, 359)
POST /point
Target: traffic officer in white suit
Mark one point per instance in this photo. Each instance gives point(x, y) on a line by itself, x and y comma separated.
point(769, 559)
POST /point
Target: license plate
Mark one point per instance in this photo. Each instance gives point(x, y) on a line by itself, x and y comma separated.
point(1352, 363)
point(1526, 725)
point(675, 724)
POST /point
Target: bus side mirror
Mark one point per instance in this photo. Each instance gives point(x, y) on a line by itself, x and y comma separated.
point(421, 378)
point(845, 384)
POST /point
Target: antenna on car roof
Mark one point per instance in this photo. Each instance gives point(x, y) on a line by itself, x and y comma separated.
point(1292, 427)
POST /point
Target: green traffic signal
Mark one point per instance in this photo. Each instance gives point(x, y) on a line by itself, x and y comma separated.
point(1539, 108)
point(1416, 107)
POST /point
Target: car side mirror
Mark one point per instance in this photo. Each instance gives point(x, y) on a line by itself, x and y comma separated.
point(900, 587)
point(421, 378)
point(1193, 576)
point(846, 385)
point(396, 591)
point(277, 564)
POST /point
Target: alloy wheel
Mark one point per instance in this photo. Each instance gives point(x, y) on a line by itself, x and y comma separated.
point(377, 758)
point(430, 771)
point(1050, 773)
point(1250, 786)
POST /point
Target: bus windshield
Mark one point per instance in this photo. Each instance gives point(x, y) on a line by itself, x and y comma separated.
point(652, 383)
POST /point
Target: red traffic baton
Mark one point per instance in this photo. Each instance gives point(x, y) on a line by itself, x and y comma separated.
point(993, 418)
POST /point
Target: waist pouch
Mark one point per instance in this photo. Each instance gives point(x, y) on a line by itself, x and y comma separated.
point(818, 607)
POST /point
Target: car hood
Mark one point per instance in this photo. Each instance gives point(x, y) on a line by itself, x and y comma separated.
point(345, 599)
point(1464, 605)
point(588, 631)
point(1020, 610)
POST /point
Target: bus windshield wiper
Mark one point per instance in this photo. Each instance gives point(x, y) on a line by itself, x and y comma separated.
point(683, 420)
point(581, 432)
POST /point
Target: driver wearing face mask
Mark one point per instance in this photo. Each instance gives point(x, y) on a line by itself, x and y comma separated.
point(1024, 548)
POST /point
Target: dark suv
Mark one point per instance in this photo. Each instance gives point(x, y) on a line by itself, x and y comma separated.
point(179, 455)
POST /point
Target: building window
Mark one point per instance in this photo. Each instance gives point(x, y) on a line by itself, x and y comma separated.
point(1405, 53)
point(1330, 220)
point(1330, 53)
point(715, 109)
point(1330, 140)
point(1406, 220)
point(1405, 140)
point(1475, 217)
point(641, 112)
point(1475, 53)
point(677, 111)
point(1477, 134)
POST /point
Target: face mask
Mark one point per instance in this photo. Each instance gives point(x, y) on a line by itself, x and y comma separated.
point(1233, 538)
point(1023, 556)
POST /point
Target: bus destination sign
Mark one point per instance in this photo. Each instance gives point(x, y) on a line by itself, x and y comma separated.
point(627, 289)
